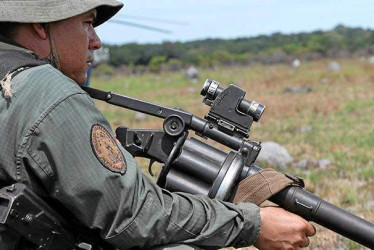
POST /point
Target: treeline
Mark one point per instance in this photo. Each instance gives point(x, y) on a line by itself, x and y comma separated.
point(340, 42)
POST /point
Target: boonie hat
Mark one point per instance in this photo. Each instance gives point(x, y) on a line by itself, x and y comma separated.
point(46, 11)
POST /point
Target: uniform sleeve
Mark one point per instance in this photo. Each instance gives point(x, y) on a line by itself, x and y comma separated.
point(127, 208)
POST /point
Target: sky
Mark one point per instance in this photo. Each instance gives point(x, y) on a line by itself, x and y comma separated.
point(201, 19)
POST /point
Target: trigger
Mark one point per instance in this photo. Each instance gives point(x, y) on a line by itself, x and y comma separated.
point(150, 167)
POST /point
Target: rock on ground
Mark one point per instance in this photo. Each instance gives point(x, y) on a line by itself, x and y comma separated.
point(334, 67)
point(192, 73)
point(140, 116)
point(371, 60)
point(296, 63)
point(298, 89)
point(274, 154)
point(324, 163)
point(321, 164)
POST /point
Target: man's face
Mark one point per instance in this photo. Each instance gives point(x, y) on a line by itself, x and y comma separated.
point(75, 40)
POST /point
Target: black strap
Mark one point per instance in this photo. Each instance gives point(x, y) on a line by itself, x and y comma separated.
point(97, 93)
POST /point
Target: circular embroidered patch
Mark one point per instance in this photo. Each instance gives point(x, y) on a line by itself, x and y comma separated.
point(106, 150)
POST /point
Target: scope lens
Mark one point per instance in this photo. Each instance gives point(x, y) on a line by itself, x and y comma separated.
point(256, 110)
point(205, 88)
point(209, 89)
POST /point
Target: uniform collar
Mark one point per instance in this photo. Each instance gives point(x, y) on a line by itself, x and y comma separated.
point(13, 57)
point(6, 44)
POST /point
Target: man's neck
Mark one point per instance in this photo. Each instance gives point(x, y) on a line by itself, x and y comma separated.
point(6, 41)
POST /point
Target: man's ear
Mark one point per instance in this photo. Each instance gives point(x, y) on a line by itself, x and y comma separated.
point(41, 30)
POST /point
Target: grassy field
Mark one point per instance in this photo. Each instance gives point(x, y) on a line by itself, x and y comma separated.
point(338, 113)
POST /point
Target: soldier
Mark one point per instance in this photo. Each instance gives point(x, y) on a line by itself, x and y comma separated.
point(54, 140)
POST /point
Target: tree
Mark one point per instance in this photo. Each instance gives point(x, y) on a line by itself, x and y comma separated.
point(156, 63)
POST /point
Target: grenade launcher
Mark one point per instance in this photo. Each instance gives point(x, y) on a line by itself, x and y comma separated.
point(193, 166)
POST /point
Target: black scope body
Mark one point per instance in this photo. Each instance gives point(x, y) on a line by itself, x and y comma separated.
point(211, 90)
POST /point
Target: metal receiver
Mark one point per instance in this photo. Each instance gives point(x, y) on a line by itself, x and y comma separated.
point(191, 165)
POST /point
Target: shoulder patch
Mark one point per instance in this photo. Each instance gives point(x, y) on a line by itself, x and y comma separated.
point(106, 150)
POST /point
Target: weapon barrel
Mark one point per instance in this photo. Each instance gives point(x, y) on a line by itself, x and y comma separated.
point(312, 208)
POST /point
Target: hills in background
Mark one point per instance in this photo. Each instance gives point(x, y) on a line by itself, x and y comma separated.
point(339, 42)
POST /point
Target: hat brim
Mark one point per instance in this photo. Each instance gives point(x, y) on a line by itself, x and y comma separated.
point(105, 12)
point(47, 11)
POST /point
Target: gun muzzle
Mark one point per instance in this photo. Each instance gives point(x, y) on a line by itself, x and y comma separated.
point(312, 208)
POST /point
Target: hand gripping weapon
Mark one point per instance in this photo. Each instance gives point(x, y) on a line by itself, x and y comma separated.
point(193, 166)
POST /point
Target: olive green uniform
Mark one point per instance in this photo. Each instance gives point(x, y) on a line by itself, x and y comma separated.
point(45, 131)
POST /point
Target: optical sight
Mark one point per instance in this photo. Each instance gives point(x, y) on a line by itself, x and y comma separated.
point(211, 90)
